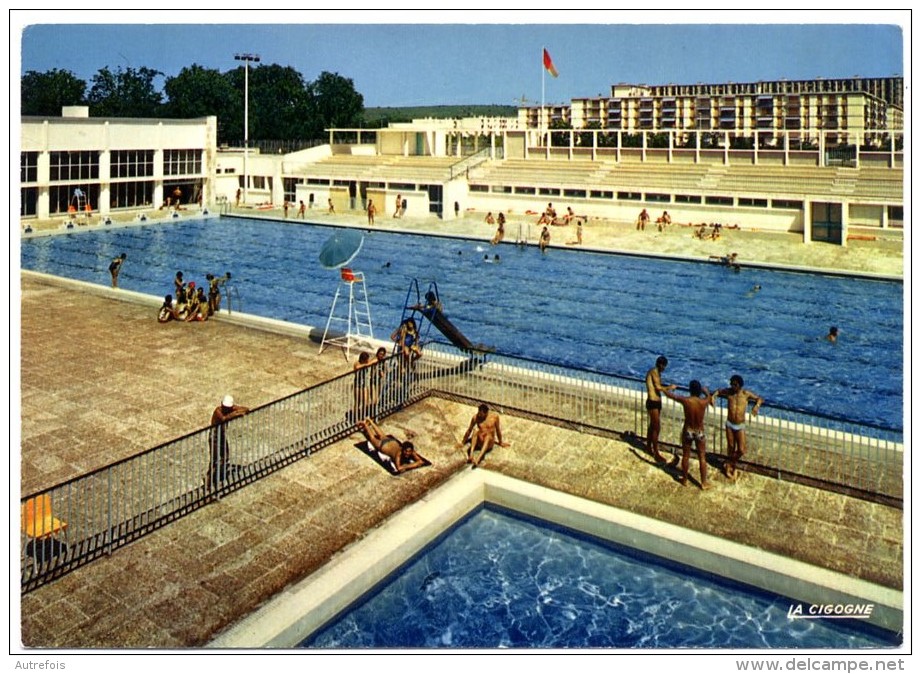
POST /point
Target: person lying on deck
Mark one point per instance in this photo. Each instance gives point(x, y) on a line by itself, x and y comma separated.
point(402, 453)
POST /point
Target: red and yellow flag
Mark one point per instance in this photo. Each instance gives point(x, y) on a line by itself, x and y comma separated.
point(548, 64)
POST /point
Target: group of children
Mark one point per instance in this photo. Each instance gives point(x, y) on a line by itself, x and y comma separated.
point(191, 303)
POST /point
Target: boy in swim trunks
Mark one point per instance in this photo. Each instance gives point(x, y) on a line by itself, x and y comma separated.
point(695, 407)
point(488, 432)
point(737, 399)
point(654, 387)
point(402, 455)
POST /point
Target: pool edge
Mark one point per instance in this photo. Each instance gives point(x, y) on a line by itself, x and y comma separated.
point(301, 609)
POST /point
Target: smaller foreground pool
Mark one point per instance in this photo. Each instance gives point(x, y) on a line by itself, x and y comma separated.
point(499, 580)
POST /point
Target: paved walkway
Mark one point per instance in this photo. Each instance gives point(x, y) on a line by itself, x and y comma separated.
point(101, 379)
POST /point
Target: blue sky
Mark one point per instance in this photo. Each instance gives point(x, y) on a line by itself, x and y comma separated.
point(427, 58)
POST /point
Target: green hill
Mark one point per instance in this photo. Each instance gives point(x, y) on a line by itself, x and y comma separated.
point(384, 116)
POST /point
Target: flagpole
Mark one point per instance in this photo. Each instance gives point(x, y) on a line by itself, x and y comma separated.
point(543, 76)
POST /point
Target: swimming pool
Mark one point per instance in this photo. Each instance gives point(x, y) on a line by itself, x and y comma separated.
point(500, 580)
point(612, 313)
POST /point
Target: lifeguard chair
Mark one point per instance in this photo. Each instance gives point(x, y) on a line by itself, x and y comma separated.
point(357, 323)
point(79, 204)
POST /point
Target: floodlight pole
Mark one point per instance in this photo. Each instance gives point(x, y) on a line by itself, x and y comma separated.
point(246, 58)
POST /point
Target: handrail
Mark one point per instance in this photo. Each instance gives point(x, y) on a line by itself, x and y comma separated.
point(469, 162)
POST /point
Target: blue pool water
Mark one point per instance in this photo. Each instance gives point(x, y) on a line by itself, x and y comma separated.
point(500, 581)
point(611, 313)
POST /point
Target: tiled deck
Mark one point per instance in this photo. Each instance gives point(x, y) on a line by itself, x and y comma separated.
point(102, 380)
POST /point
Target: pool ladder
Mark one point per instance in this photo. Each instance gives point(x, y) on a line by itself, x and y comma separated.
point(232, 294)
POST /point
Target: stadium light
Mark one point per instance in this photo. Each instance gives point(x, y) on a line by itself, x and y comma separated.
point(247, 59)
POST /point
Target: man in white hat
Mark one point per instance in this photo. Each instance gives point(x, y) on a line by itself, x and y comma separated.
point(217, 439)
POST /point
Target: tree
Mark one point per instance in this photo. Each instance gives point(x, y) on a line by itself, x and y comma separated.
point(584, 138)
point(334, 103)
point(46, 93)
point(199, 92)
point(279, 106)
point(559, 138)
point(125, 93)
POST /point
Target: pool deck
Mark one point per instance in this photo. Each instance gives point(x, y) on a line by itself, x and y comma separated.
point(100, 380)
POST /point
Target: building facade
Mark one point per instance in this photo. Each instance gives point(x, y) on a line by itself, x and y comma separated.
point(76, 165)
point(852, 111)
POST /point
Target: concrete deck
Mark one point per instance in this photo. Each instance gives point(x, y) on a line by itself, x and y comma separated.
point(101, 379)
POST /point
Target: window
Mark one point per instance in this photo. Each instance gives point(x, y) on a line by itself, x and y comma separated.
point(318, 181)
point(602, 194)
point(74, 166)
point(786, 203)
point(28, 201)
point(719, 201)
point(525, 190)
point(60, 197)
point(479, 188)
point(576, 194)
point(28, 167)
point(629, 196)
point(501, 189)
point(687, 199)
point(132, 194)
point(759, 203)
point(290, 187)
point(403, 187)
point(181, 162)
point(550, 191)
point(660, 198)
point(132, 164)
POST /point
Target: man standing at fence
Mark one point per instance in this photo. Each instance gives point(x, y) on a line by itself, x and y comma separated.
point(737, 399)
point(693, 432)
point(217, 440)
point(654, 388)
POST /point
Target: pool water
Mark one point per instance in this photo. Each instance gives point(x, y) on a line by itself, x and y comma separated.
point(611, 313)
point(499, 580)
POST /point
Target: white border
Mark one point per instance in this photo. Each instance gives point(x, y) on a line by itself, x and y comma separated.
point(295, 613)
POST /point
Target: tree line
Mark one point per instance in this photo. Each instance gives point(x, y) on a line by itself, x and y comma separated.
point(282, 104)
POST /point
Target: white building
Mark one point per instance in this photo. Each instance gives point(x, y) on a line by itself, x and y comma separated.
point(102, 165)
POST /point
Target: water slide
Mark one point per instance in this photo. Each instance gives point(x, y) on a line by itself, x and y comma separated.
point(447, 328)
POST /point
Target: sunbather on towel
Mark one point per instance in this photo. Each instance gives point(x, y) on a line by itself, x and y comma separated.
point(402, 454)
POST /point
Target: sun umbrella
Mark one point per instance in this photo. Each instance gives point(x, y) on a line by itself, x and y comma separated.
point(341, 248)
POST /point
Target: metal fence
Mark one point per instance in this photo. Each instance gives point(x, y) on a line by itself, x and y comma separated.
point(77, 521)
point(829, 452)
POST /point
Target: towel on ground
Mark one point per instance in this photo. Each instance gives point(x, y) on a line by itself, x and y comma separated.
point(382, 459)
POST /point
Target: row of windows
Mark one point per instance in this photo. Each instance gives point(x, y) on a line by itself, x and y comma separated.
point(132, 163)
point(649, 197)
point(84, 165)
point(181, 162)
point(62, 200)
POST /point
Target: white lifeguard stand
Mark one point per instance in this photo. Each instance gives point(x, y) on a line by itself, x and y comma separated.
point(357, 323)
